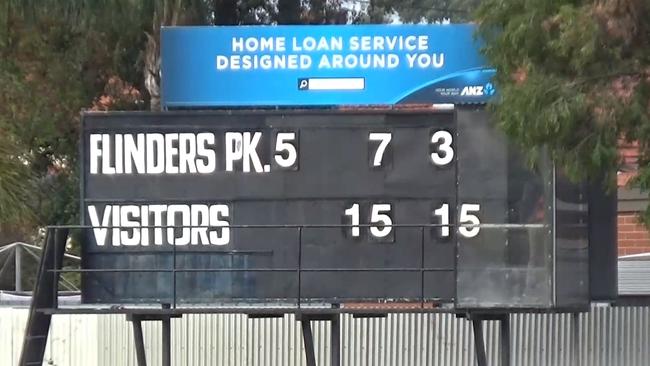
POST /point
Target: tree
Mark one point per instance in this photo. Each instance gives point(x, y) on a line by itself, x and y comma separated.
point(225, 12)
point(55, 61)
point(15, 186)
point(417, 11)
point(60, 57)
point(289, 12)
point(166, 13)
point(573, 76)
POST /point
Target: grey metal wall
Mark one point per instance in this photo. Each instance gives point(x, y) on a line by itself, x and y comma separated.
point(634, 275)
point(608, 336)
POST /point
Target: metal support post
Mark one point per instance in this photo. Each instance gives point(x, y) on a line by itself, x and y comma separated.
point(336, 340)
point(166, 338)
point(479, 344)
point(575, 331)
point(44, 297)
point(505, 340)
point(18, 254)
point(139, 342)
point(166, 342)
point(308, 339)
point(165, 320)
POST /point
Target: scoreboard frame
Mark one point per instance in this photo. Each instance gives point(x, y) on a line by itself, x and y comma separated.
point(563, 294)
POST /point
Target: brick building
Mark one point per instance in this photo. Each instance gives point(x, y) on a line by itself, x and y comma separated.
point(633, 236)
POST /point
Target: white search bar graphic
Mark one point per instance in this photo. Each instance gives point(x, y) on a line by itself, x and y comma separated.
point(331, 84)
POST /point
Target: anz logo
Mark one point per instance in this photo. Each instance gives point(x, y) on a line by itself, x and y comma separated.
point(478, 90)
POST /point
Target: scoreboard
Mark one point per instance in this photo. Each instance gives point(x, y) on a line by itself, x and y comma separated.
point(320, 205)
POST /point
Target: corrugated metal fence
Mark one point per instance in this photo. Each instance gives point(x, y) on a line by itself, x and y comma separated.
point(608, 336)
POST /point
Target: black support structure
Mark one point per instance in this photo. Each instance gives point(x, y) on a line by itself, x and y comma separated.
point(308, 337)
point(479, 343)
point(335, 334)
point(504, 325)
point(166, 339)
point(305, 309)
point(139, 342)
point(45, 296)
point(479, 340)
point(165, 320)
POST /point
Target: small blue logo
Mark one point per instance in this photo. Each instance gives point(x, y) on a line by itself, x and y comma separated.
point(488, 89)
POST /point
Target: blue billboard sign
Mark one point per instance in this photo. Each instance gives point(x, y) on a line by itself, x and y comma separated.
point(322, 65)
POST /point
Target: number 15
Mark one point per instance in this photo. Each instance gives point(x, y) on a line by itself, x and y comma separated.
point(468, 221)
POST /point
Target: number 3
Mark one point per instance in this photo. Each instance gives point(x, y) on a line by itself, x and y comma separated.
point(444, 139)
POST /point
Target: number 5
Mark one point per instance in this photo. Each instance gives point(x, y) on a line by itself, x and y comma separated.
point(466, 218)
point(377, 217)
point(282, 144)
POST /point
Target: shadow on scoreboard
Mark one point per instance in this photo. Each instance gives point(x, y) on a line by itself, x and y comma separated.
point(169, 284)
point(304, 274)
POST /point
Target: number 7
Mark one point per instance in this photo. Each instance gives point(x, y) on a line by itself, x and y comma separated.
point(384, 138)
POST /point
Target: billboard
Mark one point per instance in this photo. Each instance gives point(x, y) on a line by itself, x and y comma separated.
point(322, 65)
point(309, 206)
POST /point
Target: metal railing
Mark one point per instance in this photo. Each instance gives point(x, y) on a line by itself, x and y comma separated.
point(298, 301)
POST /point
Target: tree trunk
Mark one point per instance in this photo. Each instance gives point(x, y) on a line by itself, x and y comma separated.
point(225, 12)
point(317, 11)
point(10, 234)
point(168, 13)
point(376, 14)
point(152, 71)
point(289, 11)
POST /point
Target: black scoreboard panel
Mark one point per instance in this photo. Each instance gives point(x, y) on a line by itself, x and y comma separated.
point(509, 264)
point(264, 206)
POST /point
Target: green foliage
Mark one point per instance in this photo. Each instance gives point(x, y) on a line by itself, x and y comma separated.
point(15, 184)
point(573, 76)
point(54, 63)
point(60, 57)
